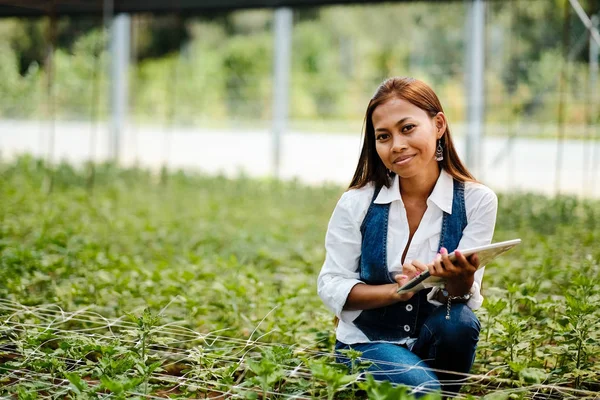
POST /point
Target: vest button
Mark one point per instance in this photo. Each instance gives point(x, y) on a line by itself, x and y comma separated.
point(409, 307)
point(407, 328)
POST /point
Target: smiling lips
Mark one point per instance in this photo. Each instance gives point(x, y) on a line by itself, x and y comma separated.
point(403, 160)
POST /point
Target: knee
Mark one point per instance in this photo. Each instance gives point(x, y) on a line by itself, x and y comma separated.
point(463, 326)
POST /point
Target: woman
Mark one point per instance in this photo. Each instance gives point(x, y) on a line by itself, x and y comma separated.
point(410, 203)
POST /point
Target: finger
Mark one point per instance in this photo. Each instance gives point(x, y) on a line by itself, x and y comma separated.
point(448, 265)
point(438, 269)
point(420, 267)
point(401, 279)
point(461, 260)
point(474, 260)
point(431, 268)
point(466, 267)
point(409, 270)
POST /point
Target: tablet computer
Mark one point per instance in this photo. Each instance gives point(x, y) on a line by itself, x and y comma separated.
point(486, 254)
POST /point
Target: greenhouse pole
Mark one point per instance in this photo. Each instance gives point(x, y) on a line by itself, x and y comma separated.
point(594, 55)
point(475, 86)
point(94, 106)
point(281, 81)
point(48, 182)
point(50, 88)
point(562, 104)
point(119, 49)
point(594, 37)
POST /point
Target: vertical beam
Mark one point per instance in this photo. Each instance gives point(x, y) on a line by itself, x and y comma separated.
point(50, 88)
point(562, 103)
point(281, 80)
point(94, 103)
point(475, 84)
point(594, 37)
point(48, 183)
point(590, 109)
point(171, 96)
point(593, 80)
point(594, 54)
point(119, 48)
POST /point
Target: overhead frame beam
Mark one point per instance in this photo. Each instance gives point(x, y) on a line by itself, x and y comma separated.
point(33, 8)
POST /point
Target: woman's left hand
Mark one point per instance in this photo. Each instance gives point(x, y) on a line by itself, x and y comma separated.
point(459, 275)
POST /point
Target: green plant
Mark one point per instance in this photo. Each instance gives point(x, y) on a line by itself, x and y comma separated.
point(334, 376)
point(232, 265)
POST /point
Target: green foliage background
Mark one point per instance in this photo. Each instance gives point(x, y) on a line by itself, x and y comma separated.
point(192, 70)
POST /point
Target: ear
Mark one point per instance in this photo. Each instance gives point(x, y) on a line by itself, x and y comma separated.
point(440, 124)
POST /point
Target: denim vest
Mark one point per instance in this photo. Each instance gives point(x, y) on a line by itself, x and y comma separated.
point(403, 319)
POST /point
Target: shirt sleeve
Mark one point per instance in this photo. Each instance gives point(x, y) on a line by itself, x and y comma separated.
point(340, 273)
point(481, 220)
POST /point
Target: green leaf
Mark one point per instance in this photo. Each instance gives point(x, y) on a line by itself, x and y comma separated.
point(496, 396)
point(112, 385)
point(377, 390)
point(533, 375)
point(79, 385)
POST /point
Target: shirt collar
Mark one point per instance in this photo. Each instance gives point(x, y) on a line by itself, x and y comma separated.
point(443, 192)
point(441, 196)
point(388, 194)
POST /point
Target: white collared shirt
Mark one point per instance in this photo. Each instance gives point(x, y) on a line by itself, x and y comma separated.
point(343, 241)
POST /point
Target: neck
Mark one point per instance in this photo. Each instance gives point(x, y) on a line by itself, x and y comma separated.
point(420, 186)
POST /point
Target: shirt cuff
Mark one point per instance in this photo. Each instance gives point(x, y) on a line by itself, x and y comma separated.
point(476, 299)
point(343, 292)
point(349, 316)
point(432, 295)
point(336, 295)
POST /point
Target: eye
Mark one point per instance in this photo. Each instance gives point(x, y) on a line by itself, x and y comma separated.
point(407, 127)
point(382, 136)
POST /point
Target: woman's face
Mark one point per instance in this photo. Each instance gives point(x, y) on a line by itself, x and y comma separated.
point(406, 137)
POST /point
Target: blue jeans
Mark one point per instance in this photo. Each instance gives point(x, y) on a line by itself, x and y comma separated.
point(447, 345)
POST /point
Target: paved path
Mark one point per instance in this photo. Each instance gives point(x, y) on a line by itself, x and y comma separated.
point(520, 164)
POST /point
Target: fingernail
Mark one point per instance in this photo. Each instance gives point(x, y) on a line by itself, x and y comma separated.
point(443, 250)
point(458, 253)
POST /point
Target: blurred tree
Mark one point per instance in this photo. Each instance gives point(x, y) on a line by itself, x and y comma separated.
point(340, 53)
point(160, 35)
point(246, 65)
point(27, 38)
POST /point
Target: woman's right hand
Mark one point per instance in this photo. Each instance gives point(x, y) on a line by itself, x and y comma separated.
point(401, 280)
point(414, 268)
point(366, 297)
point(409, 271)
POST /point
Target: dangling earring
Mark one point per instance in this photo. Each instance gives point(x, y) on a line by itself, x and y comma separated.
point(439, 152)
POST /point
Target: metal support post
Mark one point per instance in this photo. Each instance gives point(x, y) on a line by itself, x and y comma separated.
point(475, 84)
point(594, 98)
point(281, 81)
point(119, 48)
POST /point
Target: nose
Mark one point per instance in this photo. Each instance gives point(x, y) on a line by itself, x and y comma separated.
point(398, 143)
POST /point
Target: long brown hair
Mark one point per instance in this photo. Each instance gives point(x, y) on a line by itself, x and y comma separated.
point(370, 168)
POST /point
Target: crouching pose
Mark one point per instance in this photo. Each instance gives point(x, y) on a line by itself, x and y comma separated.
point(411, 202)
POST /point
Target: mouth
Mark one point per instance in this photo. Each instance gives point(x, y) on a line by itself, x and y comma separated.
point(403, 160)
